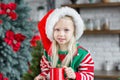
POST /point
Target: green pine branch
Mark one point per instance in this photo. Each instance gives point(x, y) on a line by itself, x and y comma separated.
point(35, 63)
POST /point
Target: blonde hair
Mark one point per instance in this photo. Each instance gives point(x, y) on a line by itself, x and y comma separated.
point(71, 50)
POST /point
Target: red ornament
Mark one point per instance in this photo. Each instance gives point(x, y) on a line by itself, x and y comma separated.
point(14, 40)
point(34, 39)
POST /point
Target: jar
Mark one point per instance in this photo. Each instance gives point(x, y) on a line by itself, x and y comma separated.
point(92, 1)
point(107, 66)
point(73, 1)
point(89, 24)
point(118, 66)
point(105, 25)
point(97, 25)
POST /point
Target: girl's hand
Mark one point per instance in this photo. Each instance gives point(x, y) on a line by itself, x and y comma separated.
point(69, 72)
point(39, 78)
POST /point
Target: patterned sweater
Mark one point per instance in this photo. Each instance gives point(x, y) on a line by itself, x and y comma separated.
point(82, 64)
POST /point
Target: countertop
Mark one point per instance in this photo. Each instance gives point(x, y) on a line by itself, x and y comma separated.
point(107, 74)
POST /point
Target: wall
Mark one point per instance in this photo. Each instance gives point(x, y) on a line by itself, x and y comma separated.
point(102, 47)
point(36, 15)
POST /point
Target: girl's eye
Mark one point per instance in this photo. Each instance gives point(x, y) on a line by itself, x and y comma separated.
point(66, 29)
point(57, 29)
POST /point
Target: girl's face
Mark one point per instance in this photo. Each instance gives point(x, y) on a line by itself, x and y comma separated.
point(63, 30)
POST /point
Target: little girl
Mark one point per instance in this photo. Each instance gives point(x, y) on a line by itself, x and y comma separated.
point(63, 27)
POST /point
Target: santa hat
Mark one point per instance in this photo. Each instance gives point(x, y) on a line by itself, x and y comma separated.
point(41, 27)
point(61, 12)
point(48, 22)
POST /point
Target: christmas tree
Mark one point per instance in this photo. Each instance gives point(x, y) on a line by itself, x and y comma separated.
point(34, 68)
point(16, 31)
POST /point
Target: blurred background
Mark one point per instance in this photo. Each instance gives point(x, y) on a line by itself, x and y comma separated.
point(101, 36)
point(102, 31)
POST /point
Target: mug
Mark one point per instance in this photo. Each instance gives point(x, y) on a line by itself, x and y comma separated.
point(57, 74)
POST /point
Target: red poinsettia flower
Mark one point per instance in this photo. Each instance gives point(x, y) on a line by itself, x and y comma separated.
point(9, 37)
point(16, 46)
point(34, 39)
point(9, 10)
point(1, 21)
point(13, 15)
point(14, 40)
point(2, 77)
point(19, 37)
point(5, 78)
point(11, 6)
point(2, 10)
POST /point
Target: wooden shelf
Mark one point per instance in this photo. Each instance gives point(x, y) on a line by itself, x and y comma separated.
point(102, 32)
point(94, 5)
point(107, 75)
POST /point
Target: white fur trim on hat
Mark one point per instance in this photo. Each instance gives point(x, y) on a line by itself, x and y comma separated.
point(61, 12)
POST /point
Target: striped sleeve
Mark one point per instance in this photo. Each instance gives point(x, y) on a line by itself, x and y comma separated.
point(86, 69)
point(45, 66)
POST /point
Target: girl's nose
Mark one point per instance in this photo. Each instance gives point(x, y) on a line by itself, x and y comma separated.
point(61, 33)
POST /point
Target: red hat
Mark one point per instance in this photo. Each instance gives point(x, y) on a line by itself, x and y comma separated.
point(59, 13)
point(41, 27)
point(48, 22)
